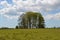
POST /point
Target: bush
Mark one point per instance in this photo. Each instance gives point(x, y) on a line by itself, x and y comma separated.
point(17, 27)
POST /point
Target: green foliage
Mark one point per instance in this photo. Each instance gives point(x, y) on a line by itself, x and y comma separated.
point(31, 20)
point(17, 27)
point(30, 34)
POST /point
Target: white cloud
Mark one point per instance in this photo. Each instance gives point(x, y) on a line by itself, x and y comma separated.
point(52, 16)
point(11, 17)
point(5, 4)
point(57, 16)
point(50, 5)
point(48, 17)
point(10, 13)
point(49, 2)
point(19, 6)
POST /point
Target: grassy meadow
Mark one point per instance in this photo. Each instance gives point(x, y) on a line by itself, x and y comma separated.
point(29, 34)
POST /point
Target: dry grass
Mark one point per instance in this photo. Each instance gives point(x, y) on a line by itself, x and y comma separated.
point(30, 34)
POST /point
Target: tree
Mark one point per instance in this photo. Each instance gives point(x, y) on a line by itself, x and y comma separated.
point(16, 27)
point(31, 20)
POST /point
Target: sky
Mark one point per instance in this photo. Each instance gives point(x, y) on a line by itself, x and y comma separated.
point(10, 10)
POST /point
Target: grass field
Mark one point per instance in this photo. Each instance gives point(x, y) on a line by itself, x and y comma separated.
point(30, 34)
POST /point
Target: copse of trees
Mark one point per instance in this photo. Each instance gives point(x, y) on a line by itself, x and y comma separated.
point(31, 20)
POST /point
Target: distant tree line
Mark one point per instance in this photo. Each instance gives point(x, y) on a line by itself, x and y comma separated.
point(4, 28)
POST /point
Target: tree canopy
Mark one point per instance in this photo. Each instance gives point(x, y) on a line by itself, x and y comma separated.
point(31, 20)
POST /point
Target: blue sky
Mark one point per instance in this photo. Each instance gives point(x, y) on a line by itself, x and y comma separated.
point(10, 10)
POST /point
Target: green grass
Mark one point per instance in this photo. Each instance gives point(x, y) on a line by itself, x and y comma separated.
point(30, 34)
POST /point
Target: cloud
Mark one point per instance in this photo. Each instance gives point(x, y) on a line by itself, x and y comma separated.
point(50, 5)
point(57, 16)
point(5, 4)
point(45, 5)
point(10, 13)
point(19, 6)
point(52, 16)
point(11, 17)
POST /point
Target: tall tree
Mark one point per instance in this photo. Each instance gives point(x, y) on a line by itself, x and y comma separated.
point(31, 20)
